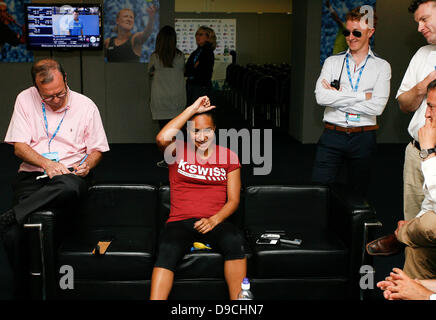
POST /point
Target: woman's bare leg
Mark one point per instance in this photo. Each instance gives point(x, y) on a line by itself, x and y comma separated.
point(235, 271)
point(161, 283)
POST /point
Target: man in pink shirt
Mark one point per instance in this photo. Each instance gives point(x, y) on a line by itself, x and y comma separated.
point(59, 135)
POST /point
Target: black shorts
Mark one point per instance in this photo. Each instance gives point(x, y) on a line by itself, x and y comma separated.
point(178, 236)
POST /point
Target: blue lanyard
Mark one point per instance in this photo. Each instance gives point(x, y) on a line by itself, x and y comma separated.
point(360, 74)
point(46, 126)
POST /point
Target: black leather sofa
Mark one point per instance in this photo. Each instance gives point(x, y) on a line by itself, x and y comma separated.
point(333, 224)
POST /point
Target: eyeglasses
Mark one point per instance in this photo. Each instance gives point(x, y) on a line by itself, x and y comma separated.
point(58, 95)
point(355, 33)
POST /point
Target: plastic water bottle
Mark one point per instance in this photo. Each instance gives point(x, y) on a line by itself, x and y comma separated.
point(245, 293)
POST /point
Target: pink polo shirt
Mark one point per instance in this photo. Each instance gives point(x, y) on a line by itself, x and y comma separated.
point(80, 133)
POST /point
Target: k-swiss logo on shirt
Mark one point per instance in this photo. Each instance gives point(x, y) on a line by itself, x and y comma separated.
point(196, 171)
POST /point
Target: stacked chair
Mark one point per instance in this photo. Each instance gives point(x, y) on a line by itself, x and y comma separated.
point(260, 92)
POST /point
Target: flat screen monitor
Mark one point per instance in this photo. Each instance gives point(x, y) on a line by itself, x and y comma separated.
point(66, 26)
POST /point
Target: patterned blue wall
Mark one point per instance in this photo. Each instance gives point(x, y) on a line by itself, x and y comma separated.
point(19, 53)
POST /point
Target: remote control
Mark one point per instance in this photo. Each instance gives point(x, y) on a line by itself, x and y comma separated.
point(295, 242)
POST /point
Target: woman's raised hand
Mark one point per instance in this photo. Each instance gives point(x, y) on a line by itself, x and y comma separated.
point(202, 104)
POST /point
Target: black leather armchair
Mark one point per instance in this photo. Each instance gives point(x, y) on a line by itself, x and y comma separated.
point(333, 224)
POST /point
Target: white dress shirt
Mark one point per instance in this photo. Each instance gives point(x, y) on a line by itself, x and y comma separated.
point(429, 171)
point(375, 78)
point(422, 63)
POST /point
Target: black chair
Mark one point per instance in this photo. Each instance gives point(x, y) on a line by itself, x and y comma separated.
point(124, 214)
point(265, 98)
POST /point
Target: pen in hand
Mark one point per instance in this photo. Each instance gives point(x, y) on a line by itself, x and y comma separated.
point(82, 161)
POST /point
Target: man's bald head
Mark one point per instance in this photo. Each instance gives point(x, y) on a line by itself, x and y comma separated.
point(43, 70)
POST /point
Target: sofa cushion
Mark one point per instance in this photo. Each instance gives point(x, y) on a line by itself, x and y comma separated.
point(120, 205)
point(321, 254)
point(201, 265)
point(130, 256)
point(204, 264)
point(286, 207)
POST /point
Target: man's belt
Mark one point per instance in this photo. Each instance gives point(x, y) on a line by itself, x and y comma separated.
point(350, 129)
point(416, 144)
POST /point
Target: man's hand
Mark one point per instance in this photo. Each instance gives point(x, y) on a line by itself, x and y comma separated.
point(205, 225)
point(405, 288)
point(368, 95)
point(82, 170)
point(327, 85)
point(55, 169)
point(400, 224)
point(422, 86)
point(427, 134)
point(384, 285)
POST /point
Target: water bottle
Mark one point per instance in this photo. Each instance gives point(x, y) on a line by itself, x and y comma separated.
point(245, 293)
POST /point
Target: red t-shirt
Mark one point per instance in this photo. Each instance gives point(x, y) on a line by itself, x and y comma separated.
point(199, 187)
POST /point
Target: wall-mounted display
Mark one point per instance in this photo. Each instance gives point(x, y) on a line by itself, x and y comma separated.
point(66, 26)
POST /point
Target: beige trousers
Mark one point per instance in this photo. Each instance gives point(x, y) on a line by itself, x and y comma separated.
point(413, 181)
point(419, 234)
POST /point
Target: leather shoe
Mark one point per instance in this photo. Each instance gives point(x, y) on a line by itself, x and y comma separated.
point(384, 246)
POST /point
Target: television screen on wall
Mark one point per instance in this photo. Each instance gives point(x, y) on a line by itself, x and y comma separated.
point(66, 26)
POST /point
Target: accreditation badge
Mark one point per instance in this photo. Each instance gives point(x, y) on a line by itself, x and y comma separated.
point(352, 117)
point(53, 156)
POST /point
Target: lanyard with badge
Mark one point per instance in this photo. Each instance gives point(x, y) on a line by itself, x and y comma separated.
point(351, 116)
point(54, 156)
point(197, 55)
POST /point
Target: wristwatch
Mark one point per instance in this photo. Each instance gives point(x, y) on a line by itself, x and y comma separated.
point(424, 153)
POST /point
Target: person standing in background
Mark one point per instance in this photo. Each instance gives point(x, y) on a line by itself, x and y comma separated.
point(199, 67)
point(166, 68)
point(354, 88)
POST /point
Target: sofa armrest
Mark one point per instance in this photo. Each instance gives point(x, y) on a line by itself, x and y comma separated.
point(355, 221)
point(42, 246)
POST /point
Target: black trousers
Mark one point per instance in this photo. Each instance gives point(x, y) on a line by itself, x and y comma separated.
point(60, 194)
point(178, 237)
point(336, 149)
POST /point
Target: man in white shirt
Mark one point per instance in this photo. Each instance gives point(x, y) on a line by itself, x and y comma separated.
point(419, 233)
point(351, 106)
point(412, 98)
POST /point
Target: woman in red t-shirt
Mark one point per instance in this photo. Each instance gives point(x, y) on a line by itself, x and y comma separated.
point(205, 185)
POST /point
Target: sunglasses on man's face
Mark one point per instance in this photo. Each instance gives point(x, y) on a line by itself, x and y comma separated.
point(355, 33)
